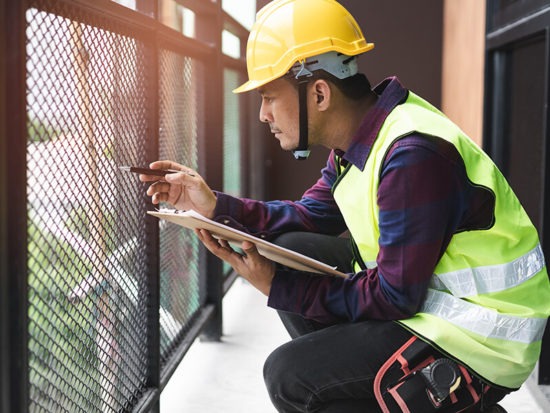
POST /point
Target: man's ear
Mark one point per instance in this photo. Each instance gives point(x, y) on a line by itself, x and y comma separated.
point(322, 92)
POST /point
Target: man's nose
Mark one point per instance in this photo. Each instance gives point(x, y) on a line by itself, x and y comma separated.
point(265, 117)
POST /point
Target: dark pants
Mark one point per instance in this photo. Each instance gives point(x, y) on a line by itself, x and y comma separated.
point(331, 369)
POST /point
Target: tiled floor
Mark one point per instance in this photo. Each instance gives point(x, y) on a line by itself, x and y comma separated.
point(226, 377)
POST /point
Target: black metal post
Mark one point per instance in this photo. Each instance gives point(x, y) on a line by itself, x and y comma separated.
point(153, 279)
point(498, 138)
point(13, 210)
point(544, 361)
point(152, 398)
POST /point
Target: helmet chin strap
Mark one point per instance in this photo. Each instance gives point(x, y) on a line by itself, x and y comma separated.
point(338, 65)
point(302, 151)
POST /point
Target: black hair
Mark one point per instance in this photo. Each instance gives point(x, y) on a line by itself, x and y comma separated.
point(355, 87)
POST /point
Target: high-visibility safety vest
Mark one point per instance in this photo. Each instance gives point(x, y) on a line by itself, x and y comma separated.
point(489, 297)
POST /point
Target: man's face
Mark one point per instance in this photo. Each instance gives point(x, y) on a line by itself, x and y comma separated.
point(280, 110)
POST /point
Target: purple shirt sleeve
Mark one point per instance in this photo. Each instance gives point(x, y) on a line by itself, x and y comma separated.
point(315, 212)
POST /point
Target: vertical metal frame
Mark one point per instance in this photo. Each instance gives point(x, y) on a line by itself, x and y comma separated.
point(151, 398)
point(4, 307)
point(209, 24)
point(496, 111)
point(13, 280)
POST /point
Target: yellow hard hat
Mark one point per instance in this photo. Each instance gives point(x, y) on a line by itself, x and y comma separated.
point(290, 31)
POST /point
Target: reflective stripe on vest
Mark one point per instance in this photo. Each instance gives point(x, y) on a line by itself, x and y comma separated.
point(491, 278)
point(483, 321)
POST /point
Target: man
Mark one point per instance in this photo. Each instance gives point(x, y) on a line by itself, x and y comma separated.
point(443, 264)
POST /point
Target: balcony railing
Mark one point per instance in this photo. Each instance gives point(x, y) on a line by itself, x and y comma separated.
point(99, 301)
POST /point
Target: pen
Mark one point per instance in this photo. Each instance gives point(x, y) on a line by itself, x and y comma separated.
point(148, 171)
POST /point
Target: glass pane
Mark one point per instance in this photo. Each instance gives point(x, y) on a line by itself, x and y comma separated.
point(231, 135)
point(244, 11)
point(231, 45)
point(131, 4)
point(177, 17)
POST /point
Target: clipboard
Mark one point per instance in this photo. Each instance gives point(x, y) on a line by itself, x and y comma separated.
point(193, 220)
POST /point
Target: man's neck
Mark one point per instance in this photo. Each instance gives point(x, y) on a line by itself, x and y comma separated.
point(346, 121)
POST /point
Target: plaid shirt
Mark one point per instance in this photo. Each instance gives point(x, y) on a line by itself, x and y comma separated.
point(424, 196)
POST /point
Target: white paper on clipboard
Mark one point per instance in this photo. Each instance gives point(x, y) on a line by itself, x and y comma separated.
point(193, 220)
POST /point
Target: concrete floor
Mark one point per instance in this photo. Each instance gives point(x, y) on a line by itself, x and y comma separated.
point(226, 377)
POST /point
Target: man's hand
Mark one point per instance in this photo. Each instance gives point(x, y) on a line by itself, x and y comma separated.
point(258, 270)
point(184, 190)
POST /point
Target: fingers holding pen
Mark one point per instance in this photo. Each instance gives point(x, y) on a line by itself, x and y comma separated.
point(170, 182)
point(170, 166)
point(162, 191)
point(173, 173)
point(181, 186)
point(175, 168)
point(166, 168)
point(170, 188)
point(177, 191)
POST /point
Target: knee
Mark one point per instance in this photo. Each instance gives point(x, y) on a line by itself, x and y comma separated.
point(306, 243)
point(282, 382)
point(288, 240)
point(274, 368)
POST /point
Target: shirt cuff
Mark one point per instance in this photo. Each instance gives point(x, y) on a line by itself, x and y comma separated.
point(282, 295)
point(225, 204)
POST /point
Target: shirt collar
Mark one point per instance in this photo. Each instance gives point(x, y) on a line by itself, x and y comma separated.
point(390, 94)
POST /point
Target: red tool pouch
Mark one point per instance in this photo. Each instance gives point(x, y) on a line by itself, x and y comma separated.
point(407, 382)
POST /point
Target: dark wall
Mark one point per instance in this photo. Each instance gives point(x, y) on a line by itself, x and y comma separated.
point(517, 118)
point(408, 43)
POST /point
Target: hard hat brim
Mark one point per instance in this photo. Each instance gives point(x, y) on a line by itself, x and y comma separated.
point(256, 83)
point(249, 86)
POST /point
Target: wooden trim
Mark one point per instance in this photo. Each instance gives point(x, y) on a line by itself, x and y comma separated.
point(463, 64)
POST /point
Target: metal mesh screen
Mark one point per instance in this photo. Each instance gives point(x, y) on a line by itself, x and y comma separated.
point(99, 82)
point(87, 113)
point(180, 80)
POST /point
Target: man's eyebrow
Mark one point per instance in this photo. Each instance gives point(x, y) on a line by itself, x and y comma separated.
point(263, 90)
